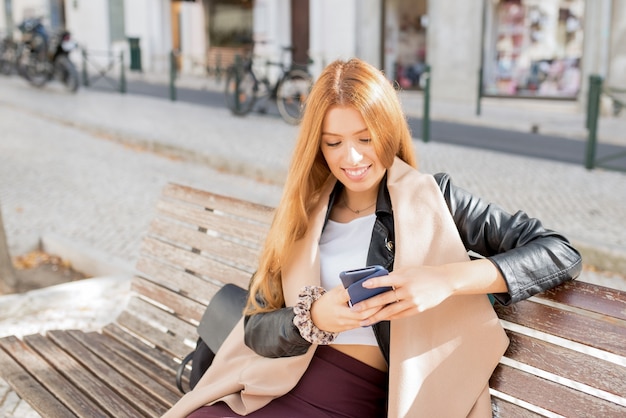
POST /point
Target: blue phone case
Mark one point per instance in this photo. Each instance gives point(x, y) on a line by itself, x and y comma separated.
point(353, 280)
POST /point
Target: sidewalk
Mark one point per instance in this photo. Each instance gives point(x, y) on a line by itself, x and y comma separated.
point(562, 118)
point(209, 148)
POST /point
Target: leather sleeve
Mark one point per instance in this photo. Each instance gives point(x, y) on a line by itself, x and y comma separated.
point(531, 258)
point(273, 334)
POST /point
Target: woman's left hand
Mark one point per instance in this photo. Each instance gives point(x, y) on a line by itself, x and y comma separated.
point(415, 289)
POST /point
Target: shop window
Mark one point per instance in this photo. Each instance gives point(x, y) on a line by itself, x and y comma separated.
point(409, 25)
point(230, 22)
point(535, 48)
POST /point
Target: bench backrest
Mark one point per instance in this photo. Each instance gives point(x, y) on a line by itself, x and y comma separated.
point(567, 355)
point(197, 242)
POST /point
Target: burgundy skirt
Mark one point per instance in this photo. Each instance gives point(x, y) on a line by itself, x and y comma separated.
point(334, 385)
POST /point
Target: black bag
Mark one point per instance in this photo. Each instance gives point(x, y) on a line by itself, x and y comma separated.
point(221, 316)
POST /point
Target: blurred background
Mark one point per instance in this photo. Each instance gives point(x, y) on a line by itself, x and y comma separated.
point(543, 49)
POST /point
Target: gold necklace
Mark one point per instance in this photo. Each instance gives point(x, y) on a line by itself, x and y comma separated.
point(356, 212)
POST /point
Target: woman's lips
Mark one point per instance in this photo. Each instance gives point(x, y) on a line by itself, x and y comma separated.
point(356, 173)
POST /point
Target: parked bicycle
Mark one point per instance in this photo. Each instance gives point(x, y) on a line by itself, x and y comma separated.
point(42, 58)
point(245, 86)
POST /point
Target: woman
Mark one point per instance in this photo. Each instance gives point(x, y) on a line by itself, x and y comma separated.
point(354, 198)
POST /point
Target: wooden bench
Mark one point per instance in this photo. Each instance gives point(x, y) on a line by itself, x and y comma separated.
point(567, 355)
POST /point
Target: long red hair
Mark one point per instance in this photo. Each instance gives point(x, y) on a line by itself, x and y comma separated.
point(353, 83)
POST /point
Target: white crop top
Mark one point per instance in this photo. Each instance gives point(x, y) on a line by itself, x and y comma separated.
point(344, 246)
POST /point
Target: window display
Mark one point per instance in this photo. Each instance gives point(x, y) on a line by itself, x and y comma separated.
point(536, 47)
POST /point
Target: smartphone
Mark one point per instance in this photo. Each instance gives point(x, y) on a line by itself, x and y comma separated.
point(353, 281)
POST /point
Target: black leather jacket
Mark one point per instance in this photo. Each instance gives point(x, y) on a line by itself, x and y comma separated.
point(531, 258)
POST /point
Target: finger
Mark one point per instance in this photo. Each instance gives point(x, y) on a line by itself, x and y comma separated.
point(392, 311)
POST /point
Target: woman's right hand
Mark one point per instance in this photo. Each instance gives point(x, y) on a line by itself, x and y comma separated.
point(332, 313)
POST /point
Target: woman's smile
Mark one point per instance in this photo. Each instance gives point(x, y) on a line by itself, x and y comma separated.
point(356, 174)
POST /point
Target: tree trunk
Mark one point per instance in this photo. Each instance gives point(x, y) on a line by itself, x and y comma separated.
point(8, 279)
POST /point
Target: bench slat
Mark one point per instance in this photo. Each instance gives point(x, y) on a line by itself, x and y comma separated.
point(226, 204)
point(551, 396)
point(140, 376)
point(29, 388)
point(248, 230)
point(165, 254)
point(108, 376)
point(219, 249)
point(163, 375)
point(503, 409)
point(573, 365)
point(569, 325)
point(184, 307)
point(178, 281)
point(141, 348)
point(594, 298)
point(79, 376)
point(134, 319)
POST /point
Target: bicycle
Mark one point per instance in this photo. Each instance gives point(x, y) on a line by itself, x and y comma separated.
point(244, 87)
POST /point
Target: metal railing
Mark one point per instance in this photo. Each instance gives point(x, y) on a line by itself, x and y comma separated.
point(593, 115)
point(107, 67)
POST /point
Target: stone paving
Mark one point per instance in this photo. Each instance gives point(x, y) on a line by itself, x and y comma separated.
point(89, 168)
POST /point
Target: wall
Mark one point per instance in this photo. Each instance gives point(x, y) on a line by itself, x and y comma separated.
point(333, 31)
point(193, 38)
point(617, 48)
point(453, 45)
point(369, 31)
point(88, 24)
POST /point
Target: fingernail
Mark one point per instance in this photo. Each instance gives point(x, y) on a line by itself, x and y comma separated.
point(355, 308)
point(366, 284)
point(365, 323)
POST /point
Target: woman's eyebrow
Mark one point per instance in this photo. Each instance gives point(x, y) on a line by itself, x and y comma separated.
point(354, 134)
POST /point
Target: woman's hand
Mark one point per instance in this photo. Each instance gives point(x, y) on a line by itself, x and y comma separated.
point(417, 289)
point(332, 313)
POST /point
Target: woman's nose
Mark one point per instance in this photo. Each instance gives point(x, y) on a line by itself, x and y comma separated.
point(355, 156)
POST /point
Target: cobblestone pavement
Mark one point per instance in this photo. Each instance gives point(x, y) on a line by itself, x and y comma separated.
point(90, 168)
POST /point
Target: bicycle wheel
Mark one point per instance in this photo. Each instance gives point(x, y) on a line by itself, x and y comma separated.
point(292, 92)
point(66, 73)
point(240, 92)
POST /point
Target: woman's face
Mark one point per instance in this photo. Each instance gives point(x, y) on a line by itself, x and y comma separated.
point(348, 150)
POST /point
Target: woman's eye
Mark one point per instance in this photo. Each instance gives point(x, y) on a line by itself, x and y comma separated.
point(366, 140)
point(332, 144)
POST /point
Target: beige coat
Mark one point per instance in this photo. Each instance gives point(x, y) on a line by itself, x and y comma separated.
point(440, 360)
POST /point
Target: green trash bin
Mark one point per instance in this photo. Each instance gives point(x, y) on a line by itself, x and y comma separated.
point(135, 54)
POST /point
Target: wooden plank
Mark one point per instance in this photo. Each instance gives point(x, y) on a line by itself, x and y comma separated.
point(203, 266)
point(552, 396)
point(226, 204)
point(83, 378)
point(504, 409)
point(140, 347)
point(166, 342)
point(29, 389)
point(214, 247)
point(123, 387)
point(569, 325)
point(72, 397)
point(570, 364)
point(165, 376)
point(181, 305)
point(163, 319)
point(142, 376)
point(179, 281)
point(180, 259)
point(248, 230)
point(593, 298)
point(190, 285)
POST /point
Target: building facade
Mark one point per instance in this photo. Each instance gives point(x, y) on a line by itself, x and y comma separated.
point(542, 49)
